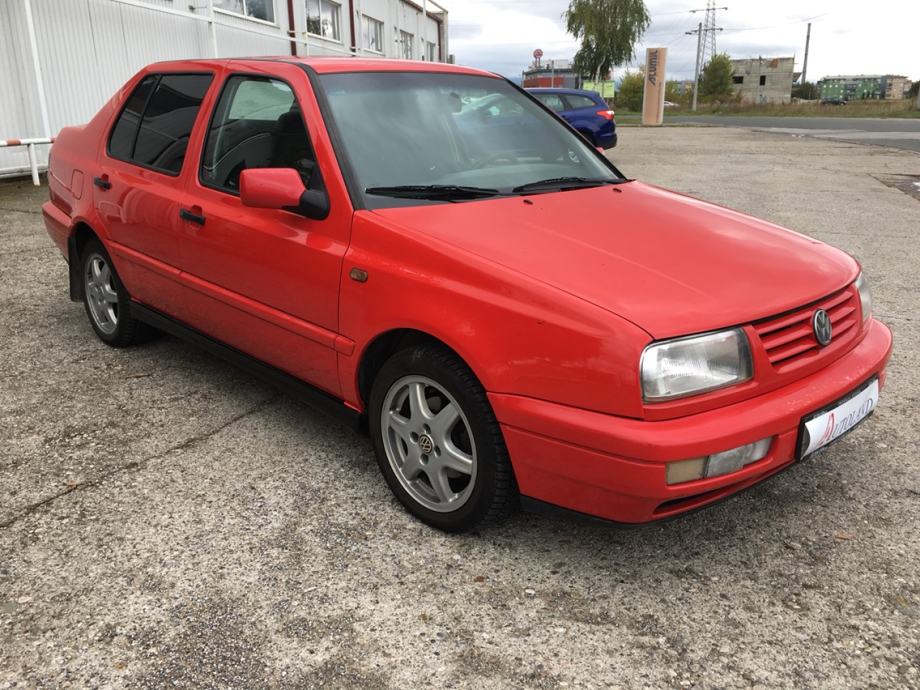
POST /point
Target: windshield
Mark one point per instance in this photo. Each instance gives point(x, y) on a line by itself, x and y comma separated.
point(435, 136)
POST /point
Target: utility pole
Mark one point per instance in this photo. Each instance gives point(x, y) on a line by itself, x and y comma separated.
point(805, 61)
point(705, 42)
point(696, 70)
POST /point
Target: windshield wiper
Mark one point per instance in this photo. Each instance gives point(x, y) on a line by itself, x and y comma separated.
point(565, 182)
point(447, 192)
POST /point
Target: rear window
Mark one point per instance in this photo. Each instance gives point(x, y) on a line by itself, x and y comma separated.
point(551, 101)
point(155, 125)
point(577, 101)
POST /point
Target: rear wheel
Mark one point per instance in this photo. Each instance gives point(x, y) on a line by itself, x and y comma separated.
point(106, 300)
point(437, 441)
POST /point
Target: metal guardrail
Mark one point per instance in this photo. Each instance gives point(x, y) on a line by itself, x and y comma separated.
point(30, 144)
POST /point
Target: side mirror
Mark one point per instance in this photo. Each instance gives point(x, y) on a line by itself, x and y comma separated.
point(282, 188)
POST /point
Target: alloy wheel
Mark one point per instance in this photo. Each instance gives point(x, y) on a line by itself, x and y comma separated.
point(101, 295)
point(428, 443)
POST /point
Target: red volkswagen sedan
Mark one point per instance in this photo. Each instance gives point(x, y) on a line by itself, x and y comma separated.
point(514, 320)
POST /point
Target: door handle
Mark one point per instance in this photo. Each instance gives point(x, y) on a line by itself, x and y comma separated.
point(191, 216)
point(102, 182)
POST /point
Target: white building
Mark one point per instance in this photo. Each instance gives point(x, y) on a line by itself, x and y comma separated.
point(60, 60)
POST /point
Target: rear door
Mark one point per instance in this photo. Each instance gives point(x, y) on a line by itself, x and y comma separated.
point(266, 281)
point(138, 181)
point(582, 113)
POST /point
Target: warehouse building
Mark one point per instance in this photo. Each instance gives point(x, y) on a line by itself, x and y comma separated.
point(61, 60)
point(858, 87)
point(763, 80)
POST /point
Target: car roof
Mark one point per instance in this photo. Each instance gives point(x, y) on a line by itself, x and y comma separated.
point(328, 65)
point(557, 89)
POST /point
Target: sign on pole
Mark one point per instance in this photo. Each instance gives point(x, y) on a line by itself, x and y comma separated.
point(653, 96)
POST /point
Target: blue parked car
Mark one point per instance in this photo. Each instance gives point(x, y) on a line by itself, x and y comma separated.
point(586, 111)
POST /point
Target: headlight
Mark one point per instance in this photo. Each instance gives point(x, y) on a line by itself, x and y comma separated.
point(686, 366)
point(865, 296)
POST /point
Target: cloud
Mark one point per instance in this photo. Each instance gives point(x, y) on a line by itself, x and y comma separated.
point(500, 35)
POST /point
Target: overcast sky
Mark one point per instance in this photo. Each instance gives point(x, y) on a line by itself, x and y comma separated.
point(880, 37)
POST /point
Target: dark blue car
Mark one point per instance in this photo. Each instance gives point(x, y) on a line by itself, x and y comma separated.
point(586, 111)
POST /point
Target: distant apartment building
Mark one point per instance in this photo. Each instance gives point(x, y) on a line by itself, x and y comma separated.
point(763, 80)
point(860, 87)
point(551, 73)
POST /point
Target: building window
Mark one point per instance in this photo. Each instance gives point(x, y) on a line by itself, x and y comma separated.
point(431, 51)
point(737, 79)
point(373, 34)
point(257, 9)
point(763, 80)
point(323, 19)
point(406, 42)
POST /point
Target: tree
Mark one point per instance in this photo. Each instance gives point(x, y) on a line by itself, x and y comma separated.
point(914, 89)
point(807, 91)
point(608, 31)
point(675, 93)
point(632, 87)
point(716, 78)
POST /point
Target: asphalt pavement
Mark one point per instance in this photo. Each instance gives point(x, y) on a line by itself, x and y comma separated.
point(166, 521)
point(902, 133)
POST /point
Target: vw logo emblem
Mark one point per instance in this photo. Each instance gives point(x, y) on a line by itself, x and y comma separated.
point(821, 324)
point(425, 444)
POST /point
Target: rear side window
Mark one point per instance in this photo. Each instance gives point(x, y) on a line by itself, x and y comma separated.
point(257, 123)
point(168, 115)
point(121, 143)
point(552, 101)
point(577, 101)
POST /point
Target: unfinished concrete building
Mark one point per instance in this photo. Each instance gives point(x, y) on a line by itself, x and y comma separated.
point(764, 80)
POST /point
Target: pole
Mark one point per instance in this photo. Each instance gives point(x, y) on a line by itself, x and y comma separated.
point(696, 72)
point(805, 61)
point(36, 63)
point(212, 29)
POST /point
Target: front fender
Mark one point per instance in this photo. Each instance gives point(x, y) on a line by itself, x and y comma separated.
point(520, 336)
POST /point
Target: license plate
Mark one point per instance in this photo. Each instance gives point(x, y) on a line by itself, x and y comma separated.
point(821, 428)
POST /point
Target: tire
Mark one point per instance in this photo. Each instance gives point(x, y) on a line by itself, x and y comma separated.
point(438, 443)
point(106, 301)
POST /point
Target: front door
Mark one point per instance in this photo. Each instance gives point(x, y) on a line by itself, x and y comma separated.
point(262, 280)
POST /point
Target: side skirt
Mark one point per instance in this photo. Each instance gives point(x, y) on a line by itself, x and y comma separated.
point(300, 390)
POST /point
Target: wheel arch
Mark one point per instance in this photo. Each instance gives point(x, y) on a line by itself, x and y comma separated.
point(80, 234)
point(384, 345)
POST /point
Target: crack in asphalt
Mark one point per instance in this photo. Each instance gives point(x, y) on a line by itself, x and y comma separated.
point(19, 210)
point(135, 464)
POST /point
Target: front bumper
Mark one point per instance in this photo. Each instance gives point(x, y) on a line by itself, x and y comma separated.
point(614, 467)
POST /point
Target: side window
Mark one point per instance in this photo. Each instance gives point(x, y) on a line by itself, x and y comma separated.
point(168, 120)
point(257, 124)
point(154, 127)
point(576, 101)
point(124, 133)
point(552, 101)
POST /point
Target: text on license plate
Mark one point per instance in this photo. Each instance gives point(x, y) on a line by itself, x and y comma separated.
point(832, 424)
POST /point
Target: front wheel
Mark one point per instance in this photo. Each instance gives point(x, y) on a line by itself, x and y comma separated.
point(438, 443)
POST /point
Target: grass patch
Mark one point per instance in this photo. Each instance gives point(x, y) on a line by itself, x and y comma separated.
point(899, 108)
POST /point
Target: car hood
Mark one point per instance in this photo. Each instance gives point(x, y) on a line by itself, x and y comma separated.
point(671, 264)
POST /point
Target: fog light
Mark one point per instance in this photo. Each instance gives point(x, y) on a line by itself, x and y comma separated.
point(686, 470)
point(718, 464)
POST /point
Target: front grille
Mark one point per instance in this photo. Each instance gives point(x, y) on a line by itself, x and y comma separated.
point(789, 339)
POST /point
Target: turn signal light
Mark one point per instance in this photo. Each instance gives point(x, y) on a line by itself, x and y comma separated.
point(717, 464)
